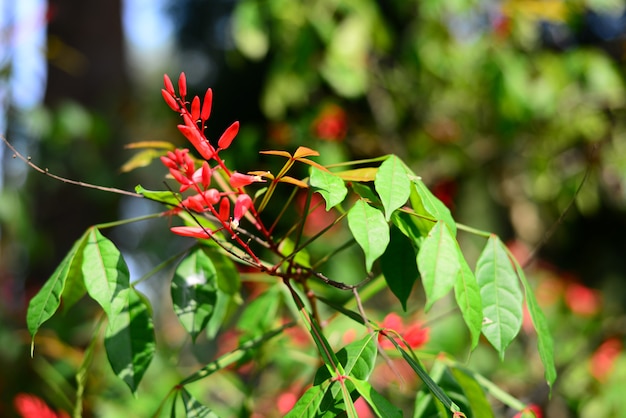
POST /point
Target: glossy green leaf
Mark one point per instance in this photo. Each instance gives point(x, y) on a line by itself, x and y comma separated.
point(105, 272)
point(310, 403)
point(545, 343)
point(357, 358)
point(194, 291)
point(501, 295)
point(365, 192)
point(165, 197)
point(46, 302)
point(302, 258)
point(331, 187)
point(467, 294)
point(379, 404)
point(129, 339)
point(438, 263)
point(432, 205)
point(398, 267)
point(392, 185)
point(228, 280)
point(370, 231)
point(193, 408)
point(408, 225)
point(476, 398)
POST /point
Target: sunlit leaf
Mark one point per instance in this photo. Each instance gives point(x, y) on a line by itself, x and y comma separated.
point(105, 272)
point(129, 339)
point(501, 295)
point(195, 409)
point(331, 187)
point(379, 404)
point(432, 205)
point(392, 185)
point(370, 231)
point(468, 299)
point(399, 267)
point(164, 145)
point(165, 197)
point(438, 263)
point(194, 291)
point(303, 152)
point(309, 404)
point(358, 174)
point(141, 159)
point(357, 358)
point(46, 302)
point(474, 393)
point(545, 344)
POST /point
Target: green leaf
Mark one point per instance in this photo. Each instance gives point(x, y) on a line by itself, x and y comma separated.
point(310, 403)
point(46, 302)
point(438, 263)
point(409, 225)
point(302, 258)
point(357, 358)
point(381, 406)
point(129, 339)
point(468, 299)
point(331, 187)
point(194, 291)
point(193, 408)
point(397, 266)
point(501, 295)
point(365, 192)
point(105, 272)
point(260, 315)
point(432, 205)
point(474, 393)
point(165, 197)
point(228, 280)
point(370, 231)
point(392, 184)
point(545, 344)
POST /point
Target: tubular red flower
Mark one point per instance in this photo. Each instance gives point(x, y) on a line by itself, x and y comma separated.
point(206, 105)
point(227, 137)
point(192, 231)
point(182, 86)
point(238, 180)
point(242, 205)
point(167, 82)
point(168, 162)
point(170, 100)
point(224, 209)
point(211, 196)
point(198, 141)
point(195, 108)
point(203, 175)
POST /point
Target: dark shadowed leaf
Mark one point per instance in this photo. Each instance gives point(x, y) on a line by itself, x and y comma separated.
point(399, 266)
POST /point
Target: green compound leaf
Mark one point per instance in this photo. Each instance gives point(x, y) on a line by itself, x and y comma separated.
point(105, 272)
point(545, 344)
point(195, 409)
point(467, 294)
point(381, 406)
point(397, 266)
point(428, 202)
point(129, 339)
point(194, 291)
point(331, 187)
point(46, 302)
point(392, 184)
point(501, 295)
point(370, 231)
point(438, 263)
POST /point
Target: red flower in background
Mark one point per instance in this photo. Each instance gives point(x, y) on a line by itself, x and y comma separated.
point(530, 411)
point(31, 406)
point(331, 124)
point(603, 359)
point(416, 335)
point(582, 300)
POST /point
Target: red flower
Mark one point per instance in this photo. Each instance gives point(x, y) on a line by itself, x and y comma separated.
point(531, 411)
point(31, 406)
point(415, 335)
point(603, 359)
point(331, 124)
point(582, 300)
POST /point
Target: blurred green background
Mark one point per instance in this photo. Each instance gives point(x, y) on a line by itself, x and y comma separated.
point(503, 107)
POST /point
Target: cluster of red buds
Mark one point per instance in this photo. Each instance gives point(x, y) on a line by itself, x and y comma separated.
point(184, 170)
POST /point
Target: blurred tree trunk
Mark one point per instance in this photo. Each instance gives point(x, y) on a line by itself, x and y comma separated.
point(87, 68)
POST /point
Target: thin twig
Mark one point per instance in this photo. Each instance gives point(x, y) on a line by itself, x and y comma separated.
point(45, 171)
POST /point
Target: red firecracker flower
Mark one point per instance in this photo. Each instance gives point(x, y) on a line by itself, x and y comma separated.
point(331, 124)
point(603, 359)
point(415, 335)
point(31, 406)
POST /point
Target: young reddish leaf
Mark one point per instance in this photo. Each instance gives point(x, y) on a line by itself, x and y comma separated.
point(105, 272)
point(370, 231)
point(167, 82)
point(467, 294)
point(170, 100)
point(279, 153)
point(46, 302)
point(331, 187)
point(312, 163)
point(501, 295)
point(182, 86)
point(392, 185)
point(194, 291)
point(206, 105)
point(192, 231)
point(195, 108)
point(227, 137)
point(302, 152)
point(295, 182)
point(438, 263)
point(129, 339)
point(399, 266)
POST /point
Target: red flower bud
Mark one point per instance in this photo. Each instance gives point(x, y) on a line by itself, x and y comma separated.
point(198, 141)
point(242, 205)
point(192, 231)
point(170, 100)
point(227, 137)
point(168, 85)
point(224, 209)
point(182, 86)
point(206, 105)
point(195, 109)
